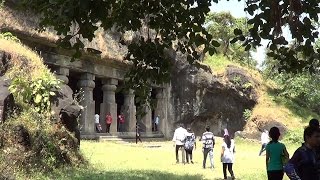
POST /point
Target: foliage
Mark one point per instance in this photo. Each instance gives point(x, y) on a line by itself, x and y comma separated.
point(51, 145)
point(179, 26)
point(29, 139)
point(9, 36)
point(247, 113)
point(303, 87)
point(221, 26)
point(270, 18)
point(294, 136)
point(31, 83)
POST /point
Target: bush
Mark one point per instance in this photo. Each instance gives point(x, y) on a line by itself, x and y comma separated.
point(247, 114)
point(294, 136)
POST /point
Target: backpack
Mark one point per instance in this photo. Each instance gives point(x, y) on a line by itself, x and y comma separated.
point(190, 139)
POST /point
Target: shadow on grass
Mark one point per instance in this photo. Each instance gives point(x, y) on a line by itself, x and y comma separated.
point(85, 174)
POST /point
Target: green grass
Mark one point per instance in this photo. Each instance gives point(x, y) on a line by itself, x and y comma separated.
point(128, 161)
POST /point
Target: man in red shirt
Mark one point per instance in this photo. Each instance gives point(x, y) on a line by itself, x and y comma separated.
point(121, 122)
point(108, 121)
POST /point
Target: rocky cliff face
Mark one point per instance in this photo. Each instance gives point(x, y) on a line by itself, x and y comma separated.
point(199, 98)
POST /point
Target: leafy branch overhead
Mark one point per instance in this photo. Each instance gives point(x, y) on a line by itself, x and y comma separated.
point(269, 19)
point(179, 24)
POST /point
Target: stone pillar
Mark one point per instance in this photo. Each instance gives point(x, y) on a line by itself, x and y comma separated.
point(147, 118)
point(62, 73)
point(109, 102)
point(86, 85)
point(161, 109)
point(129, 111)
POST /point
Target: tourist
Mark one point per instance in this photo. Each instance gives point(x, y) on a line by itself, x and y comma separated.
point(189, 145)
point(156, 123)
point(264, 141)
point(227, 156)
point(303, 164)
point(276, 155)
point(138, 133)
point(179, 138)
point(208, 145)
point(108, 122)
point(97, 123)
point(314, 123)
point(121, 122)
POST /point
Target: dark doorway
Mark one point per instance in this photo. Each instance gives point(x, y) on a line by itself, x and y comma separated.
point(153, 106)
point(74, 78)
point(97, 95)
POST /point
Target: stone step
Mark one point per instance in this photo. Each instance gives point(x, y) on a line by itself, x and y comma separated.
point(107, 138)
point(122, 135)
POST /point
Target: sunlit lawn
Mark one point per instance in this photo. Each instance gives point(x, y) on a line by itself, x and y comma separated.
point(122, 161)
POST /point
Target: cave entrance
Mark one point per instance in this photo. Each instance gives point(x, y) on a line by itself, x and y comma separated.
point(74, 78)
point(153, 106)
point(97, 95)
point(120, 102)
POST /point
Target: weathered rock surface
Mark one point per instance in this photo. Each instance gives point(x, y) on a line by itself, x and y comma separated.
point(6, 98)
point(66, 111)
point(199, 98)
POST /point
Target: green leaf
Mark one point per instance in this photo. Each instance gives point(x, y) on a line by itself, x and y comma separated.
point(237, 31)
point(215, 43)
point(38, 98)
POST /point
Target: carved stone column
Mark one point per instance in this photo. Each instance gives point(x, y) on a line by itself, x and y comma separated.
point(109, 102)
point(129, 111)
point(147, 118)
point(161, 109)
point(86, 85)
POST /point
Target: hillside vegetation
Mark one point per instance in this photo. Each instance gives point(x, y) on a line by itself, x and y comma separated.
point(271, 108)
point(30, 139)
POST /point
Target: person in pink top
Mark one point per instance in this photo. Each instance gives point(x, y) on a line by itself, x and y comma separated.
point(108, 122)
point(121, 122)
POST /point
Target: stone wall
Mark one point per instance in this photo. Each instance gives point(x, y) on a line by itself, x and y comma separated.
point(200, 98)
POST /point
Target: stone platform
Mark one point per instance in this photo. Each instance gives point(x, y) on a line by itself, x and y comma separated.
point(124, 136)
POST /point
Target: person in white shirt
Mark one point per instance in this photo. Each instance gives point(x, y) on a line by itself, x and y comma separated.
point(227, 156)
point(179, 138)
point(97, 123)
point(264, 141)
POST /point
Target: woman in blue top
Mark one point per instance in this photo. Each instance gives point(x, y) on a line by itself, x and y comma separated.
point(276, 152)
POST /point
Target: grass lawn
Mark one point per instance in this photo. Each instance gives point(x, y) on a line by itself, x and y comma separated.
point(156, 160)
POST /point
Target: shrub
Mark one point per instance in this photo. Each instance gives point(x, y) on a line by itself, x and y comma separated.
point(247, 113)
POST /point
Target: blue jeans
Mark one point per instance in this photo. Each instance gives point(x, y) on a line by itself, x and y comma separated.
point(207, 151)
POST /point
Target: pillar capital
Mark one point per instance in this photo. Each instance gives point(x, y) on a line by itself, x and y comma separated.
point(62, 73)
point(84, 83)
point(110, 81)
point(109, 87)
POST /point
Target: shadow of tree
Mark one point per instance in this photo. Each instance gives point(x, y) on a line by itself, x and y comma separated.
point(85, 174)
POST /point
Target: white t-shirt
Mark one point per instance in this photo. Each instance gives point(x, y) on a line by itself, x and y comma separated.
point(228, 153)
point(180, 136)
point(96, 118)
point(264, 138)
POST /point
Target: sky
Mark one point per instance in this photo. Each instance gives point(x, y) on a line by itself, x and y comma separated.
point(236, 8)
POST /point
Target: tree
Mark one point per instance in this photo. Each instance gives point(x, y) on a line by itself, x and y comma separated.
point(221, 26)
point(181, 22)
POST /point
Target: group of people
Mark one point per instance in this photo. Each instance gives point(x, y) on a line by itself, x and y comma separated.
point(185, 140)
point(305, 162)
point(121, 121)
